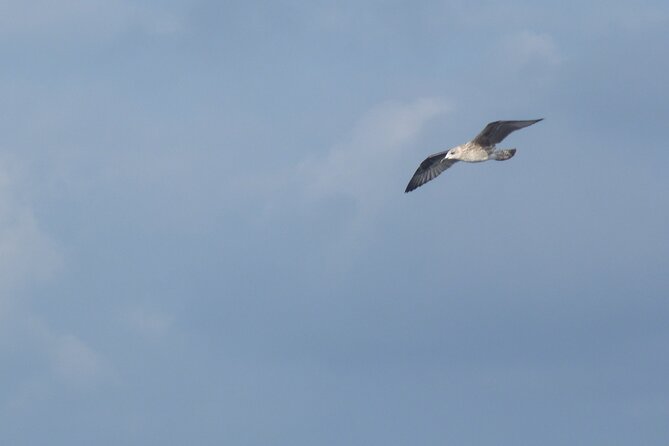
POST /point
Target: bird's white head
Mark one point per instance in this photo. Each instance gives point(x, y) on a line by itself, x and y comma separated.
point(454, 153)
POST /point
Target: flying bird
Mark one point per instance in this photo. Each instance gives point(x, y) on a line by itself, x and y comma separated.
point(481, 148)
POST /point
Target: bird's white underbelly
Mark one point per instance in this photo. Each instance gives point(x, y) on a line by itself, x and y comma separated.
point(474, 156)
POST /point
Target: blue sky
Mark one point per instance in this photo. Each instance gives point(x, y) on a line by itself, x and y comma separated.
point(204, 237)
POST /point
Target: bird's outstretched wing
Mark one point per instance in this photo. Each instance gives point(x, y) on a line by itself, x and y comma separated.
point(495, 132)
point(429, 169)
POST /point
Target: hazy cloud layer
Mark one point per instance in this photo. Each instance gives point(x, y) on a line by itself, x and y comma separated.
point(204, 236)
point(48, 21)
point(27, 253)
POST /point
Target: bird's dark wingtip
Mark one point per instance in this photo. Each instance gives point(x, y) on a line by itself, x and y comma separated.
point(410, 187)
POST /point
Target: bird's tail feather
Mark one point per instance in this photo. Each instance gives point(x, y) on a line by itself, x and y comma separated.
point(502, 155)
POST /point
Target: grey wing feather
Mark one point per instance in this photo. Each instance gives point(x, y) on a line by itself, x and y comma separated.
point(429, 170)
point(495, 132)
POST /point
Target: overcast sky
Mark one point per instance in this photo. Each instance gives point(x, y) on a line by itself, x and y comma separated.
point(204, 237)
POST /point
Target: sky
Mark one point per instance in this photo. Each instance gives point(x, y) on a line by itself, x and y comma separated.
point(204, 237)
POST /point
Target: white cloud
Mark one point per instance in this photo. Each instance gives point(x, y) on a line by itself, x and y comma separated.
point(27, 253)
point(56, 361)
point(364, 167)
point(347, 186)
point(74, 361)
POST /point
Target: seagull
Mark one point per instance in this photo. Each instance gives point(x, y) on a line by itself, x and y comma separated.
point(481, 148)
